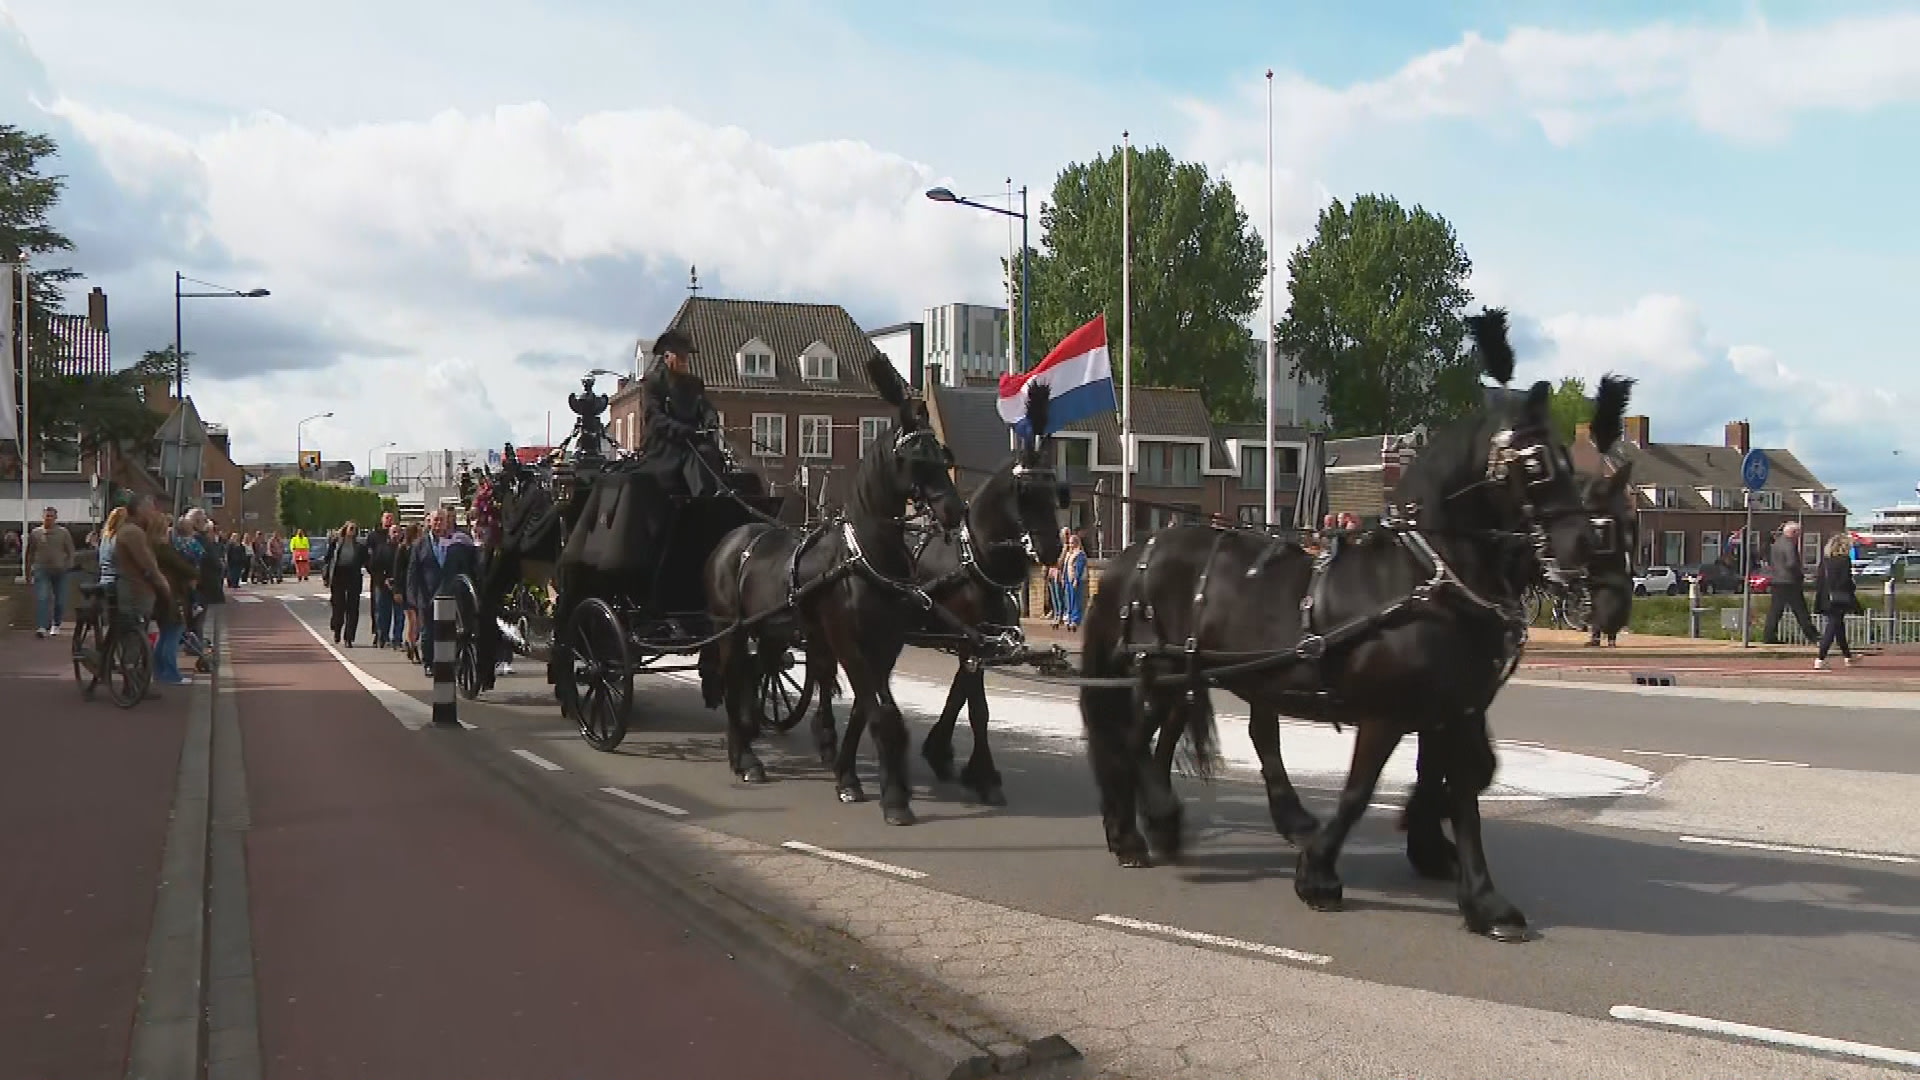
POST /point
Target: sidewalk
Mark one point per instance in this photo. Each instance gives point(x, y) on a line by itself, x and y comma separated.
point(86, 791)
point(410, 920)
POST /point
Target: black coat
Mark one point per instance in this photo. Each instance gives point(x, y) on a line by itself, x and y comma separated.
point(1833, 591)
point(677, 415)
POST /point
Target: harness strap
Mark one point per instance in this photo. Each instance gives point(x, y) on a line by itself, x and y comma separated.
point(1196, 680)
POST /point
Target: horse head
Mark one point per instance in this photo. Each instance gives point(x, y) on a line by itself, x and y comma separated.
point(909, 463)
point(1502, 471)
point(1021, 502)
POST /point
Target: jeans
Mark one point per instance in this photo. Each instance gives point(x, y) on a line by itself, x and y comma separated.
point(166, 654)
point(49, 597)
point(382, 613)
point(1835, 633)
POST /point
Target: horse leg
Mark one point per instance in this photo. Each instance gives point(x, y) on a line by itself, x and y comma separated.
point(846, 761)
point(741, 728)
point(1470, 767)
point(1315, 879)
point(937, 747)
point(980, 776)
point(821, 674)
point(1290, 818)
point(1107, 713)
point(890, 738)
point(1166, 714)
point(1428, 849)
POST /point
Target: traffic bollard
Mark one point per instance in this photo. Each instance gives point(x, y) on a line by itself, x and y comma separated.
point(1694, 610)
point(445, 626)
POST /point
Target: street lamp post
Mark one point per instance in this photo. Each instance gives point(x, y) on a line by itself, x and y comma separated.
point(180, 367)
point(945, 195)
point(370, 454)
point(299, 442)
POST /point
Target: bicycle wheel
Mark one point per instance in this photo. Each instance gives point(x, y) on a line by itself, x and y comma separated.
point(128, 665)
point(86, 656)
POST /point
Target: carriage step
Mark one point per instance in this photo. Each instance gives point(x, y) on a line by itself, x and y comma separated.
point(1653, 678)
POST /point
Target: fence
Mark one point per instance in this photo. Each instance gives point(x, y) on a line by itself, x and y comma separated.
point(1870, 628)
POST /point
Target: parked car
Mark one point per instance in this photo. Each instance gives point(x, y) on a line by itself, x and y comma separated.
point(1714, 577)
point(1657, 581)
point(1759, 581)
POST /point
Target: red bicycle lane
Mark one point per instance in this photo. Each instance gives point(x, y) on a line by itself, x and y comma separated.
point(409, 921)
point(86, 792)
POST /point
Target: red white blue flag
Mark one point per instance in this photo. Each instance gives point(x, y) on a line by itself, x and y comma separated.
point(1080, 375)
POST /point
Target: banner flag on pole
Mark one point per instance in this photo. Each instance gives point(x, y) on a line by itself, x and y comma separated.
point(9, 402)
point(1078, 371)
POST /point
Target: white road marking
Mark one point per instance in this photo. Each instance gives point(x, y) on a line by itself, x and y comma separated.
point(1214, 939)
point(469, 727)
point(1796, 849)
point(411, 713)
point(665, 808)
point(536, 759)
point(240, 598)
point(1728, 760)
point(854, 860)
point(1821, 1043)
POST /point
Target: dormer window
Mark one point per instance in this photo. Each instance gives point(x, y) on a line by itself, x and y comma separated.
point(756, 360)
point(818, 363)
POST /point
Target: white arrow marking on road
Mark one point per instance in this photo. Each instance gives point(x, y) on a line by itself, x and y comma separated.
point(1729, 760)
point(1214, 939)
point(1771, 1035)
point(536, 759)
point(854, 860)
point(665, 808)
point(1796, 849)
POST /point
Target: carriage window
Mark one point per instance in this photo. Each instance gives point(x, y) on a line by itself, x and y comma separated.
point(769, 435)
point(871, 428)
point(816, 436)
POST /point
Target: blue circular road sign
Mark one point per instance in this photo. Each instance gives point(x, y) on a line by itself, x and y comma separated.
point(1754, 469)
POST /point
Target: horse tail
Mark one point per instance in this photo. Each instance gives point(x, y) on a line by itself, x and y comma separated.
point(713, 663)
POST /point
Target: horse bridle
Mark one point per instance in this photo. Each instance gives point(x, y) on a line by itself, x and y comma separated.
point(1025, 479)
point(1526, 470)
point(921, 446)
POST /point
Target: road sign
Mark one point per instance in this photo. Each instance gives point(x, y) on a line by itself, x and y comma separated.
point(1754, 469)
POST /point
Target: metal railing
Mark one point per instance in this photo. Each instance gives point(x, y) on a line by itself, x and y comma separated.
point(1870, 628)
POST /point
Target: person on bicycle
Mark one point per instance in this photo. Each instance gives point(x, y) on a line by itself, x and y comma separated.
point(680, 423)
point(128, 566)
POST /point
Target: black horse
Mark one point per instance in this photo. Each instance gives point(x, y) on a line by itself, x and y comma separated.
point(1407, 627)
point(973, 574)
point(846, 584)
point(525, 546)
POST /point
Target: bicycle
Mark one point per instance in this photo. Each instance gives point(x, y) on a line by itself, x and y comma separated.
point(119, 657)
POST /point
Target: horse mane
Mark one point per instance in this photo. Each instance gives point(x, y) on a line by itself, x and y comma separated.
point(1453, 458)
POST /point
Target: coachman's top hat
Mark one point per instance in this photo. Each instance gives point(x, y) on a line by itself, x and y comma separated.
point(678, 341)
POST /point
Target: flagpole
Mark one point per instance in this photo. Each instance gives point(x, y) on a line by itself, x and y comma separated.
point(1013, 440)
point(26, 412)
point(1268, 450)
point(1126, 341)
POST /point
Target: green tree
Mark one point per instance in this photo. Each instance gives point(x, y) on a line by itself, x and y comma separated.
point(1197, 269)
point(1569, 408)
point(1377, 317)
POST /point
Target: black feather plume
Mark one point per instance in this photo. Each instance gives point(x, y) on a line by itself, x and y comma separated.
point(886, 381)
point(1609, 411)
point(1039, 402)
point(1489, 331)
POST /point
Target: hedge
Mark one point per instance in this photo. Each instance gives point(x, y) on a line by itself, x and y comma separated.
point(318, 506)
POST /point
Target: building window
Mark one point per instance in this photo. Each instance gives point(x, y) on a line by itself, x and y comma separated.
point(214, 494)
point(816, 436)
point(871, 428)
point(1673, 548)
point(819, 365)
point(755, 364)
point(60, 456)
point(1286, 460)
point(1253, 468)
point(1810, 548)
point(1766, 500)
point(1254, 514)
point(1820, 501)
point(1169, 464)
point(1709, 547)
point(1072, 460)
point(1147, 519)
point(769, 435)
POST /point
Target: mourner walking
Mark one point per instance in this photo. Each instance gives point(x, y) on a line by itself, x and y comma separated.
point(345, 566)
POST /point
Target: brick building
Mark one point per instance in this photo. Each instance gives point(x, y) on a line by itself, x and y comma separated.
point(1688, 497)
point(790, 383)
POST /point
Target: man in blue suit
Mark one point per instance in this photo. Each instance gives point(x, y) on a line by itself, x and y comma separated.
point(436, 559)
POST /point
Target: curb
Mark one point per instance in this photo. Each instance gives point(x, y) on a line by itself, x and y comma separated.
point(847, 983)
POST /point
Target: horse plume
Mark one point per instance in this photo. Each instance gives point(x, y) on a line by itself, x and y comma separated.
point(1489, 330)
point(1039, 402)
point(886, 381)
point(1609, 411)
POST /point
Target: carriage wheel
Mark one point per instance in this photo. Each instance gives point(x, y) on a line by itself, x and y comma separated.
point(466, 653)
point(781, 694)
point(598, 694)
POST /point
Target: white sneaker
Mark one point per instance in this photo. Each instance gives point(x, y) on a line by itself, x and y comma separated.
point(55, 632)
point(1820, 665)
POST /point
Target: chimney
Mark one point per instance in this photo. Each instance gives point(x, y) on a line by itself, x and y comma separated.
point(1638, 432)
point(1739, 436)
point(158, 393)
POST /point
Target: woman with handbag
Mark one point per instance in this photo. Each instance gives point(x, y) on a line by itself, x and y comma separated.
point(1834, 597)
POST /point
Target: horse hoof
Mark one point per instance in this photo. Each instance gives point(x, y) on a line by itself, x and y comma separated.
point(1296, 828)
point(1321, 897)
point(1435, 860)
point(1504, 924)
point(1134, 860)
point(754, 775)
point(850, 794)
point(942, 766)
point(993, 796)
point(899, 815)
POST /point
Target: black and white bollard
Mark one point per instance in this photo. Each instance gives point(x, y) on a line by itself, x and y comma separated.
point(445, 646)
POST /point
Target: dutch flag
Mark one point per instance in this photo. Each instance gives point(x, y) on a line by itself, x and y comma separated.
point(1078, 372)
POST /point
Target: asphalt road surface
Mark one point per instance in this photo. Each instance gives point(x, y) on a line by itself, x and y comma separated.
point(1771, 877)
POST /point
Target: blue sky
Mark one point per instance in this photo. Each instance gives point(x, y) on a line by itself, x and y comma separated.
point(465, 202)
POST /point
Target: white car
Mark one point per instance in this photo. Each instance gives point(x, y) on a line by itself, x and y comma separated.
point(1657, 581)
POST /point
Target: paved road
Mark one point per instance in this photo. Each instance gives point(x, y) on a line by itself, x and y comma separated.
point(85, 793)
point(410, 921)
point(1631, 913)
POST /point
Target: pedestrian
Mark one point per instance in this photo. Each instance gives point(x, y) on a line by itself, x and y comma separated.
point(380, 578)
point(1056, 589)
point(302, 549)
point(49, 557)
point(170, 612)
point(1074, 577)
point(1835, 598)
point(423, 580)
point(1786, 578)
point(346, 562)
point(128, 568)
point(403, 563)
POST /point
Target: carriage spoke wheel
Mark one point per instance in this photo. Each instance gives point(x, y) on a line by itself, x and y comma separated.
point(466, 667)
point(601, 683)
point(466, 655)
point(781, 691)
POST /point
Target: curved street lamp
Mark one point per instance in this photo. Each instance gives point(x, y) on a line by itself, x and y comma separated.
point(946, 195)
